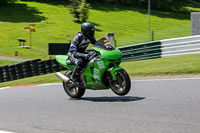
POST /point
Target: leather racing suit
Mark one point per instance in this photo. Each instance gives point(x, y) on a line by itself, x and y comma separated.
point(78, 55)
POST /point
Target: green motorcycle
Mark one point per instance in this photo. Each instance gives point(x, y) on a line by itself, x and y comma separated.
point(101, 72)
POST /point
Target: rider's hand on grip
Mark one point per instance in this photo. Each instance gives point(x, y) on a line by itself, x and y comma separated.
point(91, 54)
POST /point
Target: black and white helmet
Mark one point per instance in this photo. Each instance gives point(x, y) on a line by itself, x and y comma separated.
point(88, 30)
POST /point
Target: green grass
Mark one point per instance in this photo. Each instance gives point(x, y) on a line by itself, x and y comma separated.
point(172, 65)
point(6, 62)
point(54, 24)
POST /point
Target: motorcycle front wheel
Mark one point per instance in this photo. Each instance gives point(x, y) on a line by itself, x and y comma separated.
point(122, 85)
point(73, 92)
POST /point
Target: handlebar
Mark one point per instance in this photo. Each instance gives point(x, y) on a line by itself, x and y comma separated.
point(92, 55)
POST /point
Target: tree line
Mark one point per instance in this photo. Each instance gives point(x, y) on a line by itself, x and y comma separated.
point(155, 4)
point(7, 1)
point(80, 8)
point(162, 5)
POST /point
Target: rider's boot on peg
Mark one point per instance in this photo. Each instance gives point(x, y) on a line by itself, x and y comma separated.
point(76, 76)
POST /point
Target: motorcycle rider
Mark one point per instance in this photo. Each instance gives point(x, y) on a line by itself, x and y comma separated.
point(77, 53)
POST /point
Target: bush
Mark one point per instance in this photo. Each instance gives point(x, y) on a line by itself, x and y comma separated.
point(80, 10)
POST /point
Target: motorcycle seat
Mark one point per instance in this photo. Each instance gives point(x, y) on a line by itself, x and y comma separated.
point(70, 63)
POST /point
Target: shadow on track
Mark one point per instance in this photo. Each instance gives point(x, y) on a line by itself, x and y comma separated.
point(111, 99)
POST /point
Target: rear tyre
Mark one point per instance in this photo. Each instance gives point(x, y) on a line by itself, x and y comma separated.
point(123, 83)
point(73, 92)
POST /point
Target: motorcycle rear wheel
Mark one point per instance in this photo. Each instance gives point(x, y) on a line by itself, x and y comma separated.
point(123, 83)
point(73, 92)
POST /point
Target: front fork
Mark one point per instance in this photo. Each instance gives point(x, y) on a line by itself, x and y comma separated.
point(113, 71)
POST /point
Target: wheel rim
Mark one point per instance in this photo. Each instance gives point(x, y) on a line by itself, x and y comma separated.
point(119, 86)
point(71, 90)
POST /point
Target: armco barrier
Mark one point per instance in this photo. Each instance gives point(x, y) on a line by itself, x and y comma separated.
point(181, 46)
point(141, 51)
point(163, 48)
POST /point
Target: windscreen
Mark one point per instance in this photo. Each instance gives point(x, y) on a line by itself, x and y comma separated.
point(104, 44)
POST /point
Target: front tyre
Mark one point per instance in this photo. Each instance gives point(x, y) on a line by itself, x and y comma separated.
point(122, 85)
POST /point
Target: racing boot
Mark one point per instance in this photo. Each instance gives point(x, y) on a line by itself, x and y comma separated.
point(76, 76)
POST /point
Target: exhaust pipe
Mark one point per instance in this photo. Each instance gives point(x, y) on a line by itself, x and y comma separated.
point(62, 77)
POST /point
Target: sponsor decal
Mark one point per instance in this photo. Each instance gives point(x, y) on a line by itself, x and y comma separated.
point(96, 73)
point(100, 64)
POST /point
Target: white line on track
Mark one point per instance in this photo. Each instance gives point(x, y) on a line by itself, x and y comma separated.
point(142, 80)
point(6, 132)
point(49, 84)
point(172, 79)
point(3, 89)
point(10, 87)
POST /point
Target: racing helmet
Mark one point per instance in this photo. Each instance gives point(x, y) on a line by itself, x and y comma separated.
point(88, 30)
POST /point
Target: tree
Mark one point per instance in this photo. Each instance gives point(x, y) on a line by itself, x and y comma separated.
point(7, 1)
point(80, 10)
point(75, 9)
point(84, 9)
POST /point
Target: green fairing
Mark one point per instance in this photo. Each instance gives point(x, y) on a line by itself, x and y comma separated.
point(115, 56)
point(94, 75)
point(106, 54)
point(62, 59)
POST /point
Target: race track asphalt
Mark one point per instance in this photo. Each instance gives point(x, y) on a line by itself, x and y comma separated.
point(152, 106)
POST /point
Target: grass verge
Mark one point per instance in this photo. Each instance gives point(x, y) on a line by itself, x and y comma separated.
point(6, 62)
point(188, 64)
point(48, 78)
